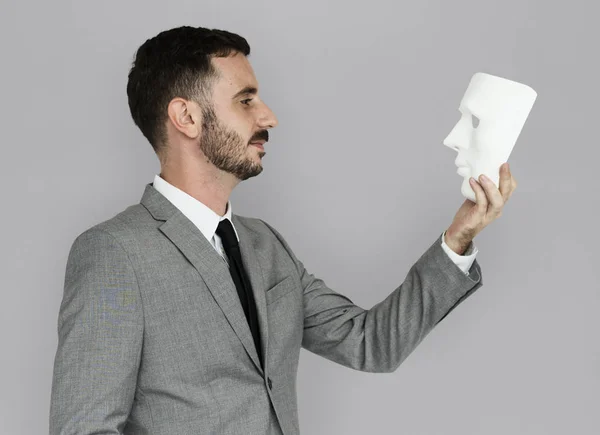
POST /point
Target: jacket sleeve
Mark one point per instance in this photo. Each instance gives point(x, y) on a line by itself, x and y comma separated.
point(379, 339)
point(100, 328)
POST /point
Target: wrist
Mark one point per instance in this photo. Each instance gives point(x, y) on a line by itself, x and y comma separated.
point(456, 241)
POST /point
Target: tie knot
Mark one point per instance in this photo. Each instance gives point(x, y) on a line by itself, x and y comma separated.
point(227, 234)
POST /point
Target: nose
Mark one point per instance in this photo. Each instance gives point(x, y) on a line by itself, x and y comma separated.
point(450, 140)
point(457, 139)
point(267, 118)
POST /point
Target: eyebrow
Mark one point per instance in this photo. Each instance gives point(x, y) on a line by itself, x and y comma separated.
point(248, 90)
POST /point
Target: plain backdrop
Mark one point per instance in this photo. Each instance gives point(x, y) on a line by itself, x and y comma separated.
point(356, 179)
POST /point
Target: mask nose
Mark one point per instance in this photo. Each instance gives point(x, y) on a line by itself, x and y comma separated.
point(458, 138)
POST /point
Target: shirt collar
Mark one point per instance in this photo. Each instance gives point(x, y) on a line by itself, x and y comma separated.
point(205, 219)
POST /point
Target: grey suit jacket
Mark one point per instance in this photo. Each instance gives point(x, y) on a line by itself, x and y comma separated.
point(153, 339)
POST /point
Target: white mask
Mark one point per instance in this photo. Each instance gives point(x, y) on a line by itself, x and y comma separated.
point(494, 111)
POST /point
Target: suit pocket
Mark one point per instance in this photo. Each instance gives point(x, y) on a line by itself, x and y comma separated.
point(280, 289)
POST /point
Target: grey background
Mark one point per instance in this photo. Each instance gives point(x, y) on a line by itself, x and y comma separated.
point(356, 178)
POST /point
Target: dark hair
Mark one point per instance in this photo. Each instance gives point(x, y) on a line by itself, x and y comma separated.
point(175, 63)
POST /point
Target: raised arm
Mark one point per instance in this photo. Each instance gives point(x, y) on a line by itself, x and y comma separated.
point(379, 339)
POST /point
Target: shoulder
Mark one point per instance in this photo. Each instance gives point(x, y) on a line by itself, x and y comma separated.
point(123, 228)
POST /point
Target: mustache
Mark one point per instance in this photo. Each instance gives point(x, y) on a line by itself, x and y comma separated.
point(261, 135)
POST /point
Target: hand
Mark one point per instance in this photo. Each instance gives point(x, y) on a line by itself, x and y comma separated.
point(472, 217)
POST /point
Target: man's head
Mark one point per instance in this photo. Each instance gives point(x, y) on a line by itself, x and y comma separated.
point(194, 95)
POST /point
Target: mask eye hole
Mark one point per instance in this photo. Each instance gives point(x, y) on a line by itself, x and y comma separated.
point(475, 121)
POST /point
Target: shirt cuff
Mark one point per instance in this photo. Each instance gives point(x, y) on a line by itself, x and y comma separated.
point(464, 262)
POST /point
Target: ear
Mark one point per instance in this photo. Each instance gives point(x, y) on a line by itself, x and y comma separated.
point(185, 116)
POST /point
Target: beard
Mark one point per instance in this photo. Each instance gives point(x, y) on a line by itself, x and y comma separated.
point(226, 149)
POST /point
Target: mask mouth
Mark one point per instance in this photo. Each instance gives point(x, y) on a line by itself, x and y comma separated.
point(460, 162)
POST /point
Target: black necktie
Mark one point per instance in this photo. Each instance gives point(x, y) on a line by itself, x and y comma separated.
point(240, 278)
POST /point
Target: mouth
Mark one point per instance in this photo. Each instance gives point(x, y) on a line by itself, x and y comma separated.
point(259, 144)
point(460, 162)
point(463, 170)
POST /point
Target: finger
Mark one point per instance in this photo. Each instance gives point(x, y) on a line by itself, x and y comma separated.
point(480, 198)
point(494, 196)
point(513, 186)
point(505, 183)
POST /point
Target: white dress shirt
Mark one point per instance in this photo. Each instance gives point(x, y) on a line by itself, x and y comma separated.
point(207, 221)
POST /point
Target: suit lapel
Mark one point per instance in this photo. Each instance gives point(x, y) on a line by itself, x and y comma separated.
point(249, 245)
point(213, 270)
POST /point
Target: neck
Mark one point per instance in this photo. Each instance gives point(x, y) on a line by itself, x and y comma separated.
point(211, 186)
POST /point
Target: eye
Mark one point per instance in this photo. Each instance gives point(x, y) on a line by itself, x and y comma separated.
point(475, 121)
point(246, 101)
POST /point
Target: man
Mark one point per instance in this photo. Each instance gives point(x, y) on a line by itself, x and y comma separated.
point(180, 317)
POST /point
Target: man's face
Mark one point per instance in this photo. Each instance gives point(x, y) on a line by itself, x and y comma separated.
point(236, 118)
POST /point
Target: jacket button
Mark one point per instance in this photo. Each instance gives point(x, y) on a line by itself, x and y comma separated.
point(270, 383)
